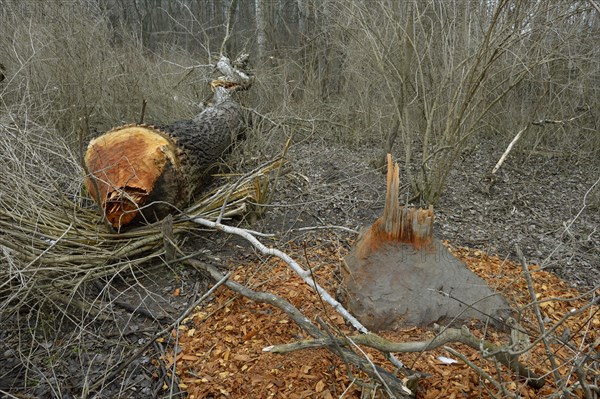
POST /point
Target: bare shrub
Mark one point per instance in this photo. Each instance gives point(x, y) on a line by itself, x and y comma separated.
point(449, 73)
point(66, 58)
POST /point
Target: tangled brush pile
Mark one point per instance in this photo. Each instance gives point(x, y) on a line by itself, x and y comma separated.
point(52, 239)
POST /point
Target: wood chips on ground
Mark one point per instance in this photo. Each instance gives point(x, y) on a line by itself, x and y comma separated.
point(221, 344)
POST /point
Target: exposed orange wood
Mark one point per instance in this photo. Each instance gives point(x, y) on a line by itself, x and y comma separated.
point(398, 223)
point(125, 164)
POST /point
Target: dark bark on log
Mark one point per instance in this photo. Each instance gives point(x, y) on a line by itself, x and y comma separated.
point(143, 172)
point(202, 141)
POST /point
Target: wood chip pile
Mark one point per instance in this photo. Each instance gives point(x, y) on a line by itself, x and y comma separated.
point(221, 344)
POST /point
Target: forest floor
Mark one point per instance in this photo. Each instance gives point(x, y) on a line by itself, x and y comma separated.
point(543, 204)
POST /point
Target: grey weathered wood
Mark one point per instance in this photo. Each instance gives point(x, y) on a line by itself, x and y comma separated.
point(399, 275)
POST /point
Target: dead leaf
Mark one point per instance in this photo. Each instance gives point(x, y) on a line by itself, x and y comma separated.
point(242, 358)
point(320, 386)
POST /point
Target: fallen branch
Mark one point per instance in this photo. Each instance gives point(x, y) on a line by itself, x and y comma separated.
point(553, 121)
point(538, 315)
point(508, 149)
point(541, 122)
point(305, 275)
point(328, 227)
point(445, 336)
point(396, 387)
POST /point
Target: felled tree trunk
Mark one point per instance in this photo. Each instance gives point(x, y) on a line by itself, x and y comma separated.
point(143, 172)
point(400, 275)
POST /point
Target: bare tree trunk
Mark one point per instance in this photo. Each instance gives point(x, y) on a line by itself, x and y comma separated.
point(302, 16)
point(261, 27)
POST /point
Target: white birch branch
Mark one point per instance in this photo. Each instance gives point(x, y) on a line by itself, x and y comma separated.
point(305, 275)
point(508, 149)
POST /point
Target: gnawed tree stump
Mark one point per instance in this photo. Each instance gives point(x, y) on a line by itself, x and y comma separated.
point(400, 275)
point(143, 172)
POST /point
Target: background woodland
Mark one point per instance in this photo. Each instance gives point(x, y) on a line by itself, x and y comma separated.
point(437, 75)
point(444, 85)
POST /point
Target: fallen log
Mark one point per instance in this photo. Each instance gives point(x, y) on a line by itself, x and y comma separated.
point(144, 172)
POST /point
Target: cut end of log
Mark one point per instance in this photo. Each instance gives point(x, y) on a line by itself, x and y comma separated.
point(124, 166)
point(122, 205)
point(398, 223)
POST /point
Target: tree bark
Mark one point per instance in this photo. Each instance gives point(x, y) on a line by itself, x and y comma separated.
point(261, 27)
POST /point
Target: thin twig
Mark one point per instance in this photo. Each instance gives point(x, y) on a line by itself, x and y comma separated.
point(479, 370)
point(328, 227)
point(538, 315)
point(143, 112)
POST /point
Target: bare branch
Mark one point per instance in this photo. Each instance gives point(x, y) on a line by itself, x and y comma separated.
point(447, 335)
point(508, 149)
point(397, 388)
point(305, 275)
point(538, 315)
point(479, 371)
